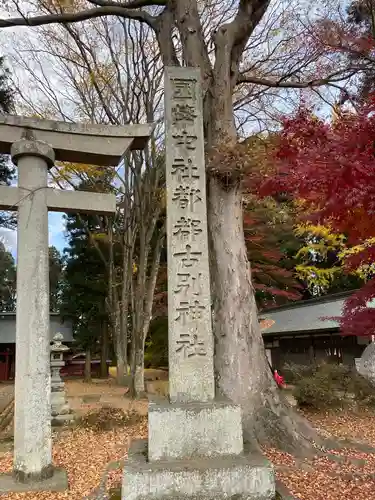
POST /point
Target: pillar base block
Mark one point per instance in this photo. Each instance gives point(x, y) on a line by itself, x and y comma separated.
point(188, 431)
point(57, 482)
point(246, 477)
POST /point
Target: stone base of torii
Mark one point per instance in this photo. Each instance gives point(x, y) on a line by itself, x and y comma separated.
point(34, 145)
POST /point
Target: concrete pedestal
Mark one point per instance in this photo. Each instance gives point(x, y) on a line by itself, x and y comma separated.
point(242, 477)
point(57, 482)
point(195, 451)
point(181, 431)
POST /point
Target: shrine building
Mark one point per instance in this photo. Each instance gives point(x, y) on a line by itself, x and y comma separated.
point(8, 340)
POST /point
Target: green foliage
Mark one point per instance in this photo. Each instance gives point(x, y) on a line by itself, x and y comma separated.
point(317, 391)
point(85, 285)
point(330, 386)
point(7, 280)
point(156, 352)
point(271, 244)
point(319, 264)
point(293, 372)
point(317, 394)
point(55, 278)
point(364, 392)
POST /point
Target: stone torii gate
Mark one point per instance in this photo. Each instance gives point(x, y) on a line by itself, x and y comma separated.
point(34, 145)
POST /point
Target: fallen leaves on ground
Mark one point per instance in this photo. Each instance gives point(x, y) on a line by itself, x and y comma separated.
point(347, 474)
point(318, 485)
point(84, 454)
point(355, 425)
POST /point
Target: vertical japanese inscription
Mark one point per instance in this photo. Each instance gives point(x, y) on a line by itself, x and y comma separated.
point(189, 302)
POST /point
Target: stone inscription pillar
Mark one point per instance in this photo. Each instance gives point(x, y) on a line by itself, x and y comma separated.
point(195, 442)
point(191, 374)
point(32, 436)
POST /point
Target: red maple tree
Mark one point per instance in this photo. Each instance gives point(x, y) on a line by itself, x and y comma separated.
point(270, 246)
point(331, 166)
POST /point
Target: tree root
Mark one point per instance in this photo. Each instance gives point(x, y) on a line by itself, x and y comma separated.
point(282, 492)
point(284, 429)
point(276, 424)
point(340, 444)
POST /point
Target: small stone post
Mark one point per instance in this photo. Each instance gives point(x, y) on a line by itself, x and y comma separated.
point(60, 409)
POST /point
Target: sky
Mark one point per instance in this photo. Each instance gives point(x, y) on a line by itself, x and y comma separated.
point(55, 220)
point(56, 229)
point(56, 226)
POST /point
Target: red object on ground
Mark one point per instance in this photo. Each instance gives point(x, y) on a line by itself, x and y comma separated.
point(279, 379)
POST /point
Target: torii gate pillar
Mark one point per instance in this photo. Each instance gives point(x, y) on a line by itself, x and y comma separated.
point(34, 145)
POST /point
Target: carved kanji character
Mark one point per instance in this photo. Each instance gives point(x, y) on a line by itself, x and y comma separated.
point(187, 281)
point(186, 140)
point(191, 345)
point(183, 113)
point(186, 227)
point(188, 258)
point(183, 89)
point(189, 310)
point(186, 195)
point(184, 169)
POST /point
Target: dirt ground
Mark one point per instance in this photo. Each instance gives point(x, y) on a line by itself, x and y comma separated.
point(85, 453)
point(83, 397)
point(6, 395)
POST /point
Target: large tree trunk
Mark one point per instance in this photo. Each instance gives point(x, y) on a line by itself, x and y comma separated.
point(104, 351)
point(87, 375)
point(120, 349)
point(241, 368)
point(143, 313)
point(137, 388)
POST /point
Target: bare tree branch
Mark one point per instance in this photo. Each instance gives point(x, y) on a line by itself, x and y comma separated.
point(76, 17)
point(336, 77)
point(249, 14)
point(194, 46)
point(164, 25)
point(135, 4)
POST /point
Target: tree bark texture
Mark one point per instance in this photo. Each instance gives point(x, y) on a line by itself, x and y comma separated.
point(116, 317)
point(241, 369)
point(87, 376)
point(120, 349)
point(138, 388)
point(104, 350)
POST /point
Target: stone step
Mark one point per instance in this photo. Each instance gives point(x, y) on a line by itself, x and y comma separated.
point(247, 477)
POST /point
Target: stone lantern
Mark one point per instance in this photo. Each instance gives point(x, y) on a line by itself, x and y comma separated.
point(60, 409)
